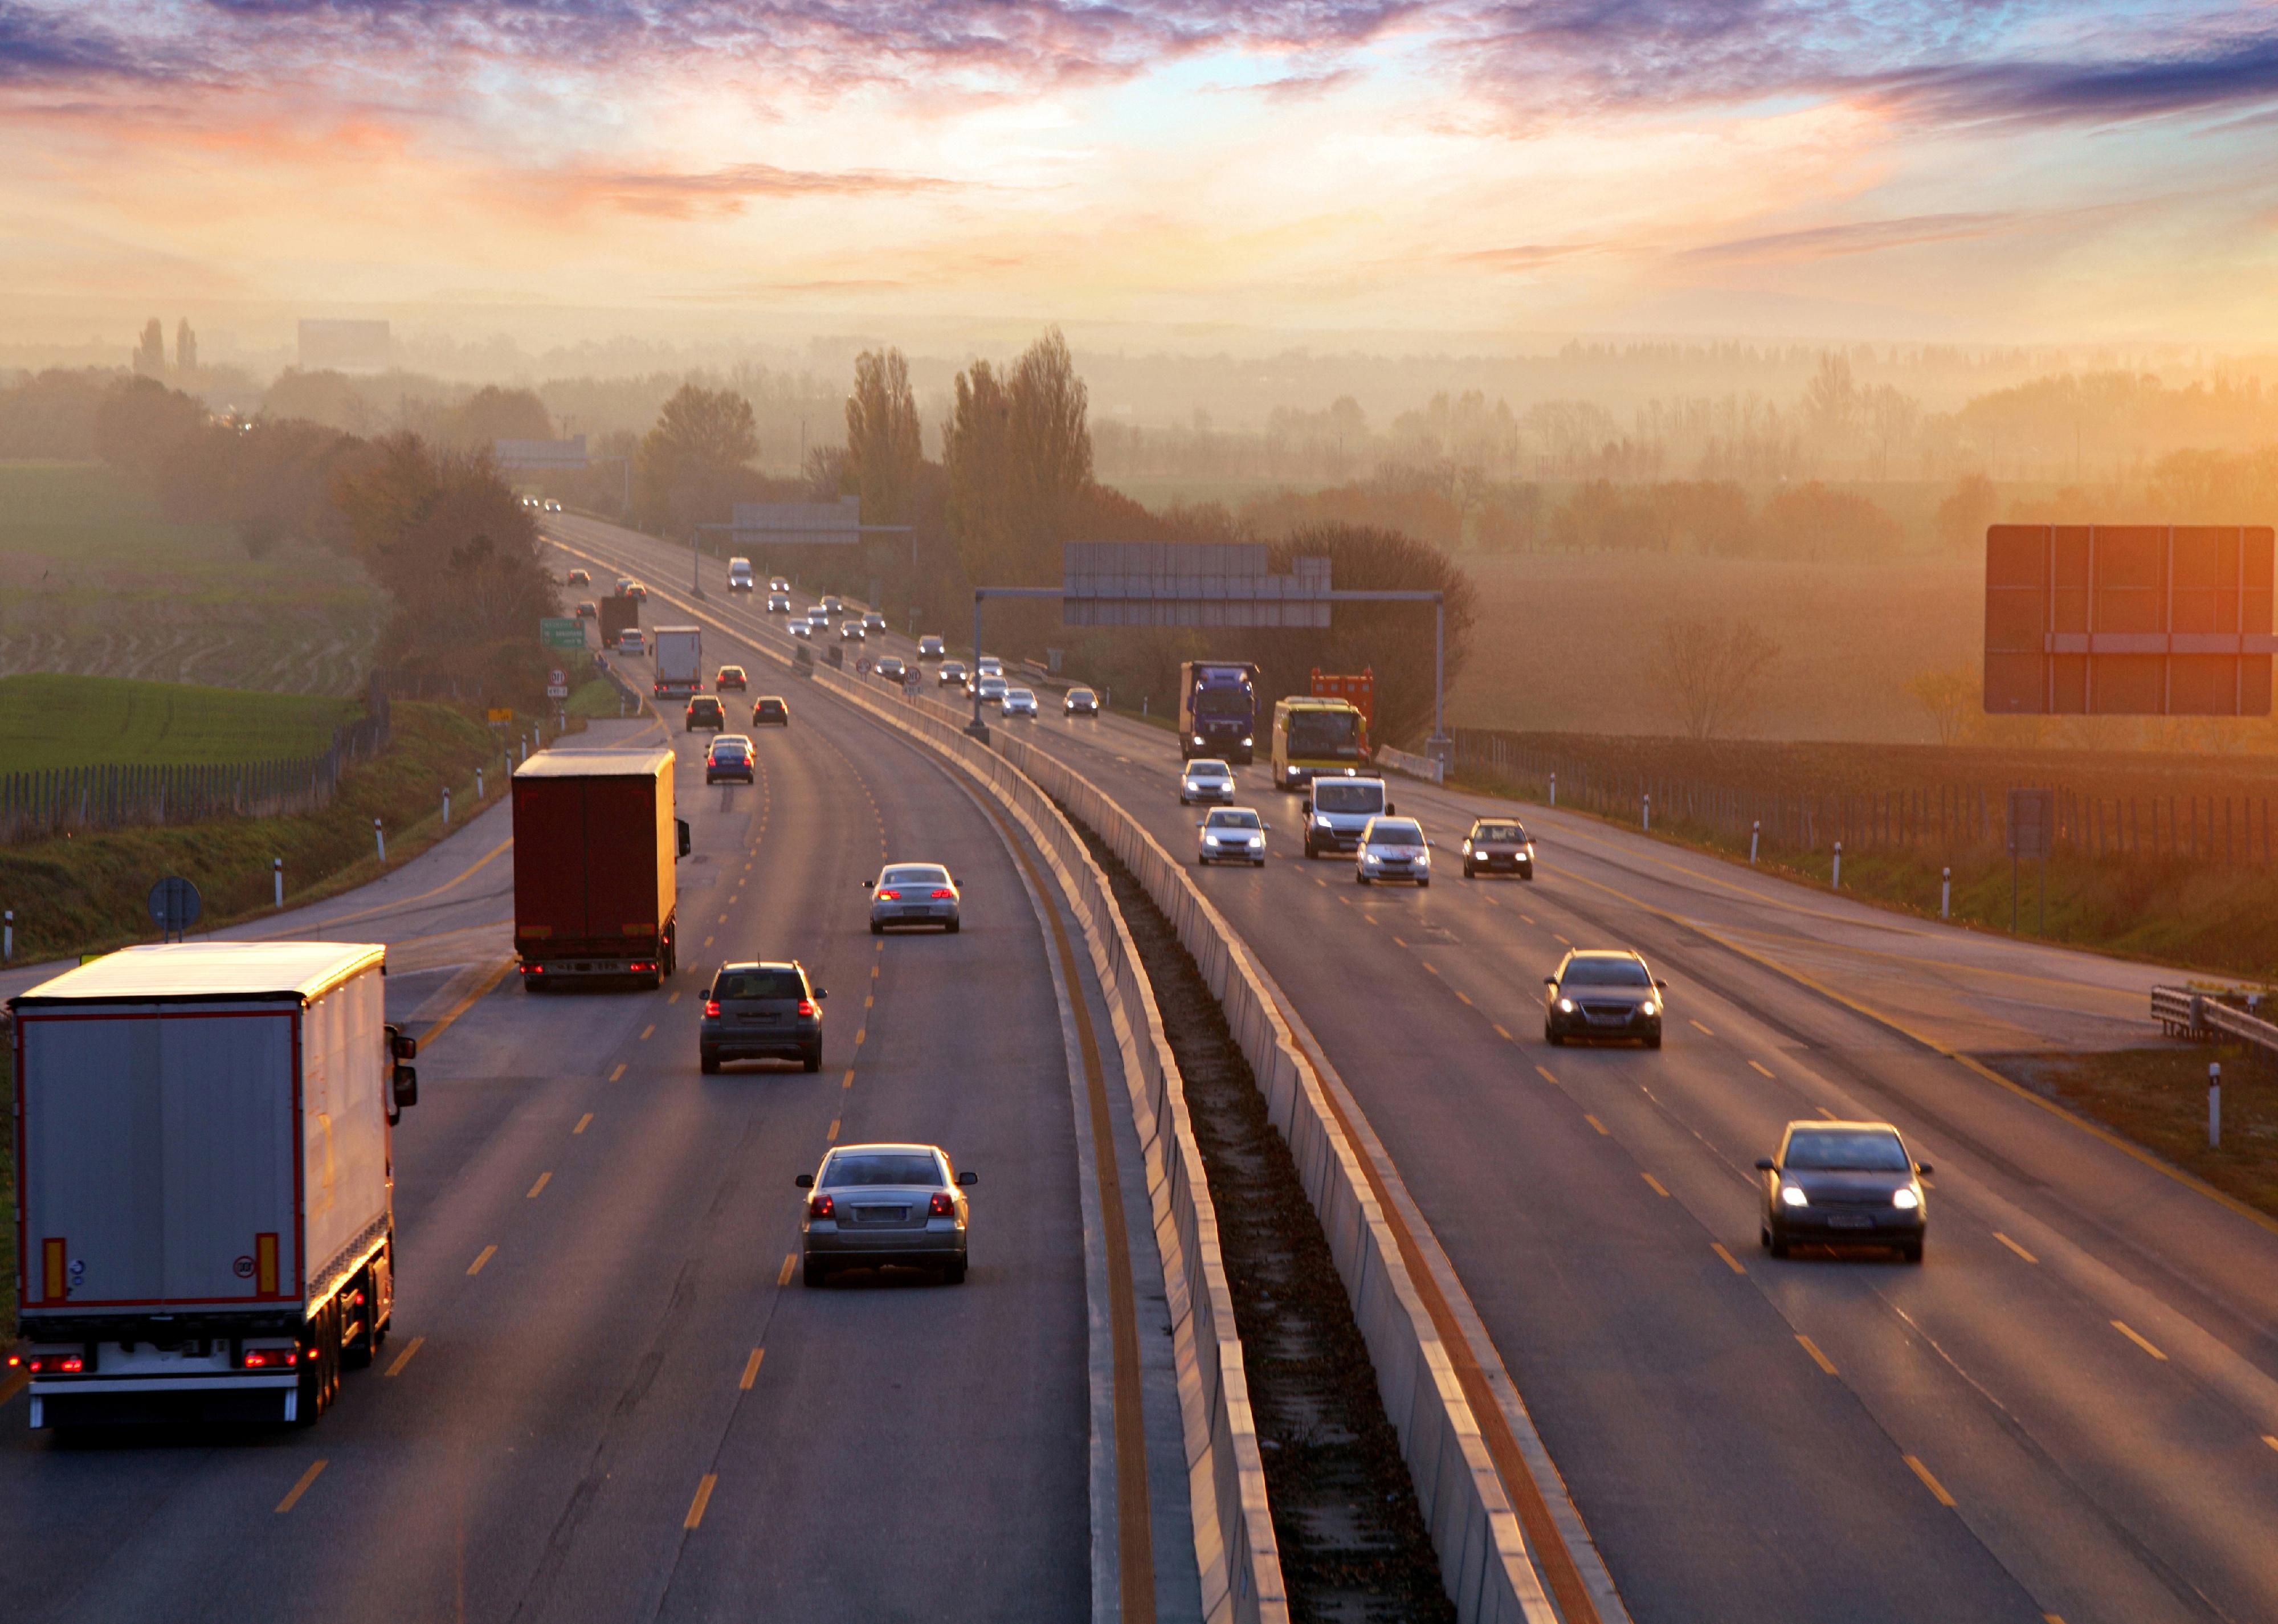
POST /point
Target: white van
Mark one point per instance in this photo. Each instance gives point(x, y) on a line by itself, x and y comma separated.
point(739, 574)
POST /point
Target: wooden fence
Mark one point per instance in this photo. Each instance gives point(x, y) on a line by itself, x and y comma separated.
point(2235, 829)
point(40, 805)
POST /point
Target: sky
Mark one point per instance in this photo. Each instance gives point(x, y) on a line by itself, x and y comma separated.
point(1253, 174)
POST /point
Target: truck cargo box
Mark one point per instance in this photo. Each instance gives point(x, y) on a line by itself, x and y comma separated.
point(680, 661)
point(594, 845)
point(202, 1144)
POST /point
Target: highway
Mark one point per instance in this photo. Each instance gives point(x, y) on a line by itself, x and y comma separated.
point(2070, 1411)
point(606, 1395)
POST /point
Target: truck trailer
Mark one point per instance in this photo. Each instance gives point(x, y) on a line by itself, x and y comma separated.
point(679, 662)
point(594, 845)
point(204, 1219)
point(1218, 710)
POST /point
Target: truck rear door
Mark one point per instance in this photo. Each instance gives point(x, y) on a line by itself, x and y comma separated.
point(621, 856)
point(160, 1162)
point(549, 859)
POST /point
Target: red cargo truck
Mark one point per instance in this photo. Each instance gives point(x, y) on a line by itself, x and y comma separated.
point(1358, 692)
point(594, 845)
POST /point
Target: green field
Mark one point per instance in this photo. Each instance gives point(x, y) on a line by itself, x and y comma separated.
point(95, 580)
point(49, 720)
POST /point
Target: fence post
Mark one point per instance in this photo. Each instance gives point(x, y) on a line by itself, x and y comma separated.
point(478, 786)
point(1554, 789)
point(1946, 893)
point(1645, 813)
point(1835, 884)
point(1755, 833)
point(447, 806)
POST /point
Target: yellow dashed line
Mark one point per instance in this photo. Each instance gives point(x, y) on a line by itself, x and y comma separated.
point(791, 1262)
point(673, 999)
point(1731, 1261)
point(1461, 994)
point(582, 1122)
point(2132, 1336)
point(404, 1357)
point(646, 1032)
point(710, 940)
point(1754, 1067)
point(619, 1072)
point(1505, 1036)
point(832, 1137)
point(301, 1488)
point(1817, 1358)
point(1658, 1188)
point(2013, 1246)
point(481, 1258)
point(752, 1370)
point(543, 1180)
point(1929, 1483)
point(1697, 1027)
point(1544, 1073)
point(1594, 1122)
point(703, 1498)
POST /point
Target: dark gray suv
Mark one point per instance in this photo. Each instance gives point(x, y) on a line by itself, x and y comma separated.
point(762, 1012)
point(1602, 993)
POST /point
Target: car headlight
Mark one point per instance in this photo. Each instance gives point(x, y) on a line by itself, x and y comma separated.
point(1792, 1196)
point(1320, 822)
point(1210, 839)
point(1566, 1005)
point(1648, 1010)
point(1905, 1198)
point(1247, 743)
point(1198, 739)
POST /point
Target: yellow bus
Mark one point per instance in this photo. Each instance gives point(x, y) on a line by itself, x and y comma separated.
point(1315, 735)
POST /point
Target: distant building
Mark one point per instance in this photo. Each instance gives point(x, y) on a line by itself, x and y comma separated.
point(345, 346)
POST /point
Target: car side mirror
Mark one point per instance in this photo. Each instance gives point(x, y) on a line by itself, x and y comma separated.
point(1390, 810)
point(1550, 981)
point(804, 1181)
point(820, 994)
point(968, 1177)
point(680, 833)
point(1202, 825)
point(402, 1048)
point(1765, 1164)
point(1922, 1170)
point(869, 884)
point(1661, 986)
point(404, 1087)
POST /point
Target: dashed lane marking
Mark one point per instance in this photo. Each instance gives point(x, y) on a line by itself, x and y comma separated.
point(1461, 994)
point(2013, 1246)
point(1755, 1066)
point(1697, 1027)
point(404, 1357)
point(791, 1262)
point(674, 998)
point(646, 1032)
point(1544, 1073)
point(1929, 1483)
point(1594, 1122)
point(481, 1258)
point(581, 1122)
point(293, 1494)
point(619, 1072)
point(1561, 940)
point(1505, 1035)
point(703, 1498)
point(832, 1137)
point(2135, 1336)
point(544, 1179)
point(1658, 1188)
point(1823, 1361)
point(1731, 1261)
point(752, 1370)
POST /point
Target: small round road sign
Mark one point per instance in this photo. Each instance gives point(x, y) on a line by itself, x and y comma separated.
point(174, 905)
point(557, 677)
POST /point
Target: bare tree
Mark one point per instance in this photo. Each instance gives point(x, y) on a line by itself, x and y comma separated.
point(1710, 674)
point(1950, 697)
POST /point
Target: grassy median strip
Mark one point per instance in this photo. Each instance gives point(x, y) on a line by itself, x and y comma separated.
point(1352, 1537)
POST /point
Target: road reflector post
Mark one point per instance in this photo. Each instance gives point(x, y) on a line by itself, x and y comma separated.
point(1835, 882)
point(380, 840)
point(1755, 833)
point(2214, 1105)
point(1554, 789)
point(447, 806)
point(277, 868)
point(478, 786)
point(1946, 893)
point(7, 935)
point(1645, 814)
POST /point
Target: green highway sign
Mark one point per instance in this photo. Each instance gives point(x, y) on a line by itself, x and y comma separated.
point(562, 633)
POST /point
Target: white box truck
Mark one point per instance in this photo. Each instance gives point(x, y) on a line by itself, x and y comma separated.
point(679, 662)
point(204, 1220)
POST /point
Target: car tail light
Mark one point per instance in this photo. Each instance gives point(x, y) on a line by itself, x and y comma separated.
point(943, 895)
point(269, 1359)
point(820, 1206)
point(806, 1006)
point(890, 896)
point(944, 1206)
point(712, 1006)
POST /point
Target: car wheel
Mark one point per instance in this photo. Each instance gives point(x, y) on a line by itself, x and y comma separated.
point(814, 1274)
point(1551, 1035)
point(1779, 1246)
point(1470, 872)
point(1912, 1252)
point(1424, 884)
point(1526, 873)
point(707, 1062)
point(1360, 879)
point(812, 1060)
point(1257, 862)
point(953, 1273)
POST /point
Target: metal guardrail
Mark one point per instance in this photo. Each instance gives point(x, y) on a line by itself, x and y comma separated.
point(2183, 1013)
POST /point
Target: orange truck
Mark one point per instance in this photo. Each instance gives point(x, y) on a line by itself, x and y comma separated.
point(1358, 692)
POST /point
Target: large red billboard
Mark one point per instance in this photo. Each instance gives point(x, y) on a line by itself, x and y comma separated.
point(2127, 620)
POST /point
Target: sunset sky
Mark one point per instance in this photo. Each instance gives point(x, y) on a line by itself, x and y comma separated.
point(1272, 172)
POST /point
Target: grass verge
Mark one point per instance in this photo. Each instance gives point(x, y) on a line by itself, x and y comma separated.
point(88, 893)
point(2158, 1098)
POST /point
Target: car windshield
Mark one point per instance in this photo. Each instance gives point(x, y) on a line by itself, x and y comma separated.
point(771, 704)
point(1330, 796)
point(1208, 770)
point(915, 877)
point(1324, 732)
point(1080, 694)
point(1395, 831)
point(1605, 971)
point(1234, 820)
point(1499, 832)
point(1222, 704)
point(1840, 1150)
point(704, 707)
point(764, 982)
point(876, 1168)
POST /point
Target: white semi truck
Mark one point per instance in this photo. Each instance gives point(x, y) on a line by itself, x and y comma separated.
point(679, 662)
point(205, 1227)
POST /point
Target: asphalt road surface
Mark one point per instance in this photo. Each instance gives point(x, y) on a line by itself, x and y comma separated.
point(2069, 1411)
point(606, 1395)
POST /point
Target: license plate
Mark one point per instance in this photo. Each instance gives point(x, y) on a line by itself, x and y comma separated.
point(1849, 1221)
point(881, 1214)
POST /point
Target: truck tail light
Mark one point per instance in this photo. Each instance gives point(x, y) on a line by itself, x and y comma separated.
point(944, 1206)
point(821, 1207)
point(806, 1006)
point(56, 1364)
point(943, 895)
point(269, 1359)
point(712, 1007)
point(642, 964)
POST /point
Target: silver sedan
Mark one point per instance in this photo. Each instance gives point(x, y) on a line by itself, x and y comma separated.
point(912, 894)
point(1206, 780)
point(1232, 834)
point(870, 1206)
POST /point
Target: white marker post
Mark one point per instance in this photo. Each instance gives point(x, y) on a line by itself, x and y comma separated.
point(7, 935)
point(1755, 833)
point(478, 786)
point(2214, 1106)
point(380, 840)
point(1835, 884)
point(1946, 893)
point(1645, 814)
point(278, 869)
point(447, 806)
point(1554, 789)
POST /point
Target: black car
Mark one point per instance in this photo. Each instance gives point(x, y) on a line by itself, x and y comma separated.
point(705, 711)
point(770, 712)
point(765, 1011)
point(1602, 992)
point(1498, 845)
point(1844, 1184)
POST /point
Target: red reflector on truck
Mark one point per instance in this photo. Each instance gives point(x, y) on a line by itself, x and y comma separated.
point(269, 1359)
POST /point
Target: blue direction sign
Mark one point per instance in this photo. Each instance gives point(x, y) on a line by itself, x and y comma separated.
point(174, 906)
